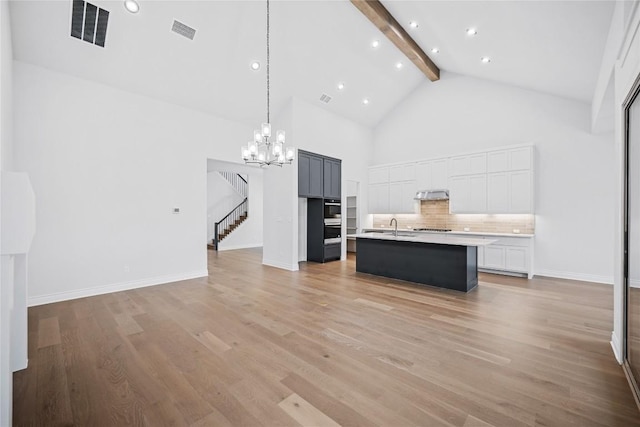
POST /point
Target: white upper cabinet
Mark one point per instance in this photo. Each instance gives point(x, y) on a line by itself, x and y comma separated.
point(379, 198)
point(469, 165)
point(401, 197)
point(404, 172)
point(439, 174)
point(379, 175)
point(510, 160)
point(432, 175)
point(497, 182)
point(510, 181)
point(468, 194)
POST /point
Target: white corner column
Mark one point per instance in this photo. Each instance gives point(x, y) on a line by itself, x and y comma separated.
point(17, 228)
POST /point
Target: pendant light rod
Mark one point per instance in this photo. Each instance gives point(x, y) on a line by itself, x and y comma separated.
point(263, 150)
point(268, 55)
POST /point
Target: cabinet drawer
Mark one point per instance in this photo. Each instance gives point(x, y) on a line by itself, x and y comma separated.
point(511, 241)
point(332, 252)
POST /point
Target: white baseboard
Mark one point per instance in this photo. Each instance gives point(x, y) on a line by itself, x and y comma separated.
point(615, 345)
point(575, 276)
point(115, 287)
point(234, 247)
point(282, 265)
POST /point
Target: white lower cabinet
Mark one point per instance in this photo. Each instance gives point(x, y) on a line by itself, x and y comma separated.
point(516, 259)
point(507, 255)
point(494, 257)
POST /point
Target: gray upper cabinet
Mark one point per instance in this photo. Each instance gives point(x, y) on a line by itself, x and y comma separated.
point(332, 178)
point(310, 175)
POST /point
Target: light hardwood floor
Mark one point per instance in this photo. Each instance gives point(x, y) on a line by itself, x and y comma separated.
point(325, 346)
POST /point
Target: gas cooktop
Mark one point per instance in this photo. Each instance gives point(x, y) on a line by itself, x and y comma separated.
point(441, 230)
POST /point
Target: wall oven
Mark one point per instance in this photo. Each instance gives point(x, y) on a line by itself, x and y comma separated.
point(332, 230)
point(332, 208)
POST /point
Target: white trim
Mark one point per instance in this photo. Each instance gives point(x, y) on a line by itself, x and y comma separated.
point(615, 345)
point(608, 280)
point(115, 287)
point(234, 247)
point(282, 265)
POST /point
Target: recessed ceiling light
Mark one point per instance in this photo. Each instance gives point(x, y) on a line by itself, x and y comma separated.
point(365, 101)
point(472, 31)
point(340, 86)
point(485, 59)
point(255, 65)
point(375, 44)
point(413, 24)
point(435, 50)
point(399, 65)
point(132, 6)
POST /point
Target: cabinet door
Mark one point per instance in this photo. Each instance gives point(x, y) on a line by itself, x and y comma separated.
point(396, 173)
point(332, 179)
point(477, 202)
point(379, 198)
point(423, 176)
point(497, 161)
point(408, 193)
point(395, 198)
point(494, 257)
point(439, 175)
point(478, 163)
point(303, 175)
point(316, 180)
point(520, 158)
point(516, 259)
point(379, 175)
point(460, 165)
point(480, 256)
point(520, 192)
point(458, 194)
point(498, 193)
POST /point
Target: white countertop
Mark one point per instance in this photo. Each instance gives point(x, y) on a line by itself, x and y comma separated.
point(465, 233)
point(417, 237)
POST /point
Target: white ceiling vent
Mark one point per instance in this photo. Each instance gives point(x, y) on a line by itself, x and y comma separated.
point(183, 30)
point(325, 98)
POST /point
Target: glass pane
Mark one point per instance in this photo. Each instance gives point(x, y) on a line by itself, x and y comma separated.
point(633, 296)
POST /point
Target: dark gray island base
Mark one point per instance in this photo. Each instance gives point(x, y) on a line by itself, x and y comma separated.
point(451, 266)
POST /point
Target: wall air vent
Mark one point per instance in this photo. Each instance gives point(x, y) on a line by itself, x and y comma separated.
point(325, 98)
point(89, 22)
point(183, 30)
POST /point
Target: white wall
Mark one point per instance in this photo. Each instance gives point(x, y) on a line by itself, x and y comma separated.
point(574, 198)
point(108, 167)
point(221, 198)
point(314, 129)
point(627, 71)
point(6, 263)
point(280, 203)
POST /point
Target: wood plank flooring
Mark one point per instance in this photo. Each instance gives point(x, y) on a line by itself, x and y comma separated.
point(256, 346)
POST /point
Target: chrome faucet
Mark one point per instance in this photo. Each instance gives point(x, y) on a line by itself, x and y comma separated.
point(395, 231)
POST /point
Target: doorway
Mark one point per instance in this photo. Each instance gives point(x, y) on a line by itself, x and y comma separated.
point(632, 240)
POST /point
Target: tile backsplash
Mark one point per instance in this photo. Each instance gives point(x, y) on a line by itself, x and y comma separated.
point(435, 214)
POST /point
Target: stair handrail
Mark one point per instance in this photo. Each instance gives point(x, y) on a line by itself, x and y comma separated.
point(230, 218)
point(237, 181)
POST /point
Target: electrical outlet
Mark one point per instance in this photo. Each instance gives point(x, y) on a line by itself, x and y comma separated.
point(126, 268)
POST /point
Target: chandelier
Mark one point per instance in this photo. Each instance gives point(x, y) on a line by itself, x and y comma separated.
point(262, 150)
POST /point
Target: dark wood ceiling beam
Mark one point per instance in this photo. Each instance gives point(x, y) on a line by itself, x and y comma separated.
point(381, 18)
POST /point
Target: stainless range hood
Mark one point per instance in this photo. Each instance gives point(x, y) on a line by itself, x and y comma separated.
point(432, 195)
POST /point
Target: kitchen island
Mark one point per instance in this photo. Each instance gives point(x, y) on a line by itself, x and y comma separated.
point(444, 261)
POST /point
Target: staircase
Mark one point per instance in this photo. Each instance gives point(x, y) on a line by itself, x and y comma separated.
point(237, 215)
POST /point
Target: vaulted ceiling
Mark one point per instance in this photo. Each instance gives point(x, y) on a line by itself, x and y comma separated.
point(549, 46)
